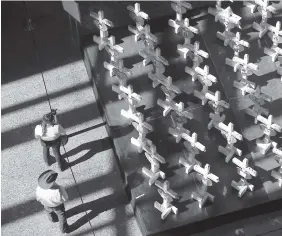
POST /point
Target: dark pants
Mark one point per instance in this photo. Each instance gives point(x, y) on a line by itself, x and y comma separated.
point(58, 213)
point(55, 145)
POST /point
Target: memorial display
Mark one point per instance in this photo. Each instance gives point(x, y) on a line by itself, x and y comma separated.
point(176, 139)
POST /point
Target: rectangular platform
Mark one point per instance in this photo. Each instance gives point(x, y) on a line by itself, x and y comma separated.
point(227, 206)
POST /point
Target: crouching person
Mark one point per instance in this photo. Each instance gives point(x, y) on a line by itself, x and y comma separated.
point(52, 197)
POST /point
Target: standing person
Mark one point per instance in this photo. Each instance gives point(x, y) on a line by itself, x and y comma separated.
point(50, 133)
point(52, 196)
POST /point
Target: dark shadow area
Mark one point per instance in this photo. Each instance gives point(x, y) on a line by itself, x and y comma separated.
point(97, 206)
point(68, 119)
point(20, 211)
point(118, 131)
point(55, 49)
point(86, 130)
point(38, 100)
point(93, 148)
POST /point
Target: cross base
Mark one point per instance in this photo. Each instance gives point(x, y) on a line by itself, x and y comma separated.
point(165, 188)
point(262, 28)
point(242, 186)
point(192, 72)
point(129, 115)
point(177, 133)
point(139, 143)
point(175, 24)
point(229, 152)
point(226, 38)
point(202, 198)
point(137, 32)
point(189, 165)
point(270, 34)
point(102, 42)
point(263, 146)
point(256, 111)
point(243, 86)
point(156, 78)
point(153, 176)
point(215, 120)
point(277, 175)
point(201, 95)
point(165, 209)
point(273, 52)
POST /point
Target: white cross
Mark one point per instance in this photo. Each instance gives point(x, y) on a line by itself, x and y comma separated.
point(193, 141)
point(149, 35)
point(204, 76)
point(115, 69)
point(227, 15)
point(181, 6)
point(237, 43)
point(269, 125)
point(245, 67)
point(140, 15)
point(244, 170)
point(102, 22)
point(276, 31)
point(195, 48)
point(113, 49)
point(229, 133)
point(130, 94)
point(216, 100)
point(205, 174)
point(153, 56)
point(277, 151)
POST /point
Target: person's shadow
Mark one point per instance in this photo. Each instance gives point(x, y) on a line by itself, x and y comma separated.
point(93, 147)
point(96, 207)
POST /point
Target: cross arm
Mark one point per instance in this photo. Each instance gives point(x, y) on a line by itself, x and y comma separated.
point(205, 173)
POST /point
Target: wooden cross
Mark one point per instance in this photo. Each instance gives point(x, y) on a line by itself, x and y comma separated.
point(275, 32)
point(193, 141)
point(153, 56)
point(166, 207)
point(215, 101)
point(181, 7)
point(116, 69)
point(100, 21)
point(113, 49)
point(138, 15)
point(227, 16)
point(206, 176)
point(229, 133)
point(195, 49)
point(204, 76)
point(237, 44)
point(243, 168)
point(270, 128)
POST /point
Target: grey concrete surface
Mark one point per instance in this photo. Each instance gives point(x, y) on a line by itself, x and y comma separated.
point(93, 181)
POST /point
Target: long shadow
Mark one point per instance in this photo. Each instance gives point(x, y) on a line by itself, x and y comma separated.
point(41, 99)
point(96, 207)
point(31, 206)
point(68, 119)
point(93, 148)
point(86, 130)
point(20, 211)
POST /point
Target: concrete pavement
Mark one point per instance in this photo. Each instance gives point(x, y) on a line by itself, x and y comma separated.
point(93, 181)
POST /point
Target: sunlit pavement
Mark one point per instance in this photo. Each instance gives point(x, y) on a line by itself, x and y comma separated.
point(93, 181)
